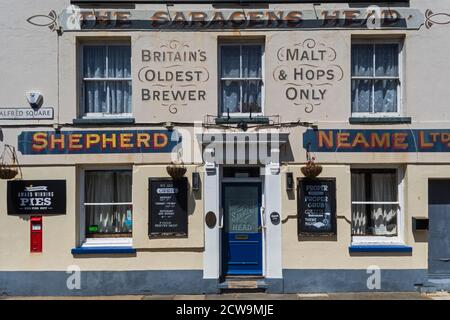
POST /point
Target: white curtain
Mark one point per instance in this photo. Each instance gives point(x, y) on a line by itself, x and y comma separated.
point(103, 96)
point(108, 187)
point(374, 219)
point(384, 216)
point(359, 214)
point(370, 95)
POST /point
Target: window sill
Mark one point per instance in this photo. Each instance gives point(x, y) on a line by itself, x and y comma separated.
point(379, 248)
point(105, 120)
point(380, 120)
point(234, 120)
point(103, 250)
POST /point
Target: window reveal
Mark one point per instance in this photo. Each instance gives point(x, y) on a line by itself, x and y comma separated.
point(108, 205)
point(375, 202)
point(241, 78)
point(375, 78)
point(107, 80)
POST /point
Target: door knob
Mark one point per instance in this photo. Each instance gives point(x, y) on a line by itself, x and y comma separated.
point(444, 259)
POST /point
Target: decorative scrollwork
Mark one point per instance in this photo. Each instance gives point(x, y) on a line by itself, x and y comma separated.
point(432, 18)
point(41, 20)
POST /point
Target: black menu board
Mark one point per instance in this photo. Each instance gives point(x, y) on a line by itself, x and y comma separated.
point(316, 207)
point(36, 197)
point(168, 207)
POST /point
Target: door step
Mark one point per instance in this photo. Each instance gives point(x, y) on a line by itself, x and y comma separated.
point(244, 284)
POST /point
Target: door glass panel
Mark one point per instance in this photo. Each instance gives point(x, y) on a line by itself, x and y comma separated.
point(242, 209)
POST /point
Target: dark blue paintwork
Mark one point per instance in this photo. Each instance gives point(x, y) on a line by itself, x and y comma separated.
point(439, 228)
point(241, 256)
point(380, 248)
point(354, 140)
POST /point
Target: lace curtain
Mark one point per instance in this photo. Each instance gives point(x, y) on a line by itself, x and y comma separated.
point(112, 95)
point(374, 219)
point(242, 64)
point(375, 74)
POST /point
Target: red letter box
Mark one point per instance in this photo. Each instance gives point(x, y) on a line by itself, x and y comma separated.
point(36, 234)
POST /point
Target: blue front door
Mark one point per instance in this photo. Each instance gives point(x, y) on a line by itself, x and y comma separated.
point(242, 236)
point(438, 233)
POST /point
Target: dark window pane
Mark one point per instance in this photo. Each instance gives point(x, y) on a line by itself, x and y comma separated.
point(251, 96)
point(362, 60)
point(385, 96)
point(386, 60)
point(231, 96)
point(230, 58)
point(94, 60)
point(251, 61)
point(361, 95)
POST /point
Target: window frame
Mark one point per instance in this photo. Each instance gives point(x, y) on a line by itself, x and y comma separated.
point(383, 240)
point(400, 77)
point(99, 115)
point(84, 241)
point(241, 42)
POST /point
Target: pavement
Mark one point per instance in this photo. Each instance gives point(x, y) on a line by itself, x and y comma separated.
point(259, 296)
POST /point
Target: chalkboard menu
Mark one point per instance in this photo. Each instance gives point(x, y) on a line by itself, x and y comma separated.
point(168, 207)
point(317, 207)
point(36, 197)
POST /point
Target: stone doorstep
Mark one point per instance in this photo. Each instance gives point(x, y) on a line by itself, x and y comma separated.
point(243, 284)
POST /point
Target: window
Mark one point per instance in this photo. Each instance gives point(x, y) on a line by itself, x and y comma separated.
point(375, 203)
point(376, 79)
point(106, 80)
point(241, 78)
point(107, 203)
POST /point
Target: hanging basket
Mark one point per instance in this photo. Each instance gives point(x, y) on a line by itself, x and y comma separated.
point(9, 169)
point(7, 173)
point(311, 170)
point(176, 171)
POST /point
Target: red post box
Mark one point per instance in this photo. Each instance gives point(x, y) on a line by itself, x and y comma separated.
point(36, 234)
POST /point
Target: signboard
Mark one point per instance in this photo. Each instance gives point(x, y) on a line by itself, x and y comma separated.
point(316, 207)
point(342, 140)
point(36, 197)
point(21, 113)
point(168, 207)
point(203, 17)
point(103, 141)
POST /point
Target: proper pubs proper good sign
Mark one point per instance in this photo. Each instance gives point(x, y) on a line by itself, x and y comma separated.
point(317, 207)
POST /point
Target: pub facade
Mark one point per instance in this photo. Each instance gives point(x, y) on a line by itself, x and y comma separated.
point(205, 146)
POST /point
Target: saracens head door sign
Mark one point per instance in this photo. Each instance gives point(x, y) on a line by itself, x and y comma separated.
point(36, 197)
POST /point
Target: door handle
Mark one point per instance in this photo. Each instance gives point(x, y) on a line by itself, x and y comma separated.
point(263, 222)
point(220, 226)
point(444, 259)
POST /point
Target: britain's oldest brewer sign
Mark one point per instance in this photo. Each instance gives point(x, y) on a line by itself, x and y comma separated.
point(36, 197)
point(317, 207)
point(168, 207)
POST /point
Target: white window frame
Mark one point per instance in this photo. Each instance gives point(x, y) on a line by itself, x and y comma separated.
point(375, 42)
point(83, 80)
point(385, 240)
point(241, 42)
point(99, 242)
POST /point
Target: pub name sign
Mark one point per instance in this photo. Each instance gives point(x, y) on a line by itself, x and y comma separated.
point(75, 18)
point(92, 142)
point(342, 140)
